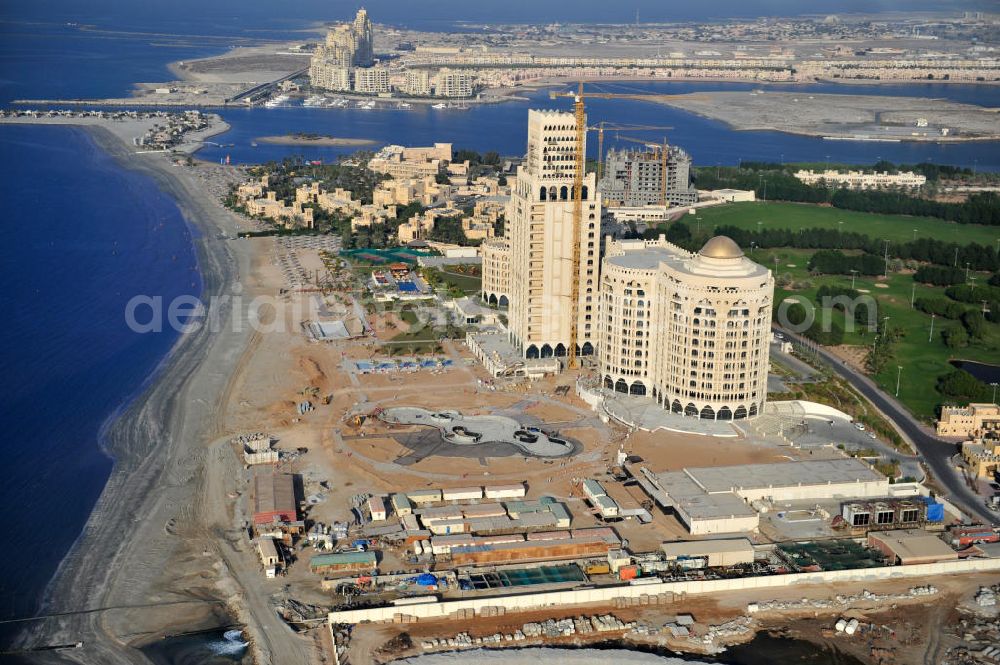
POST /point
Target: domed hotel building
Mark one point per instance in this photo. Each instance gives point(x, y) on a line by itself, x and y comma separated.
point(690, 330)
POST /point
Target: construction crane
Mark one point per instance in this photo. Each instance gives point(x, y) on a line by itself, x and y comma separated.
point(580, 161)
point(616, 127)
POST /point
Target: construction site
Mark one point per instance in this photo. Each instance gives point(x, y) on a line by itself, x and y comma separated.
point(387, 492)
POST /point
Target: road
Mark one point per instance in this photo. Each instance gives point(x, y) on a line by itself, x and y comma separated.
point(935, 452)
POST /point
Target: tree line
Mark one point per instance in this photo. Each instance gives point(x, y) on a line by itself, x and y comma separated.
point(775, 182)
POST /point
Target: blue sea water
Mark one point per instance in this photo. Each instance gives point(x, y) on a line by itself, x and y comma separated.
point(501, 127)
point(81, 236)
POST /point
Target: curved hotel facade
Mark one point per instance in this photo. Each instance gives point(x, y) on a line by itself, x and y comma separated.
point(690, 330)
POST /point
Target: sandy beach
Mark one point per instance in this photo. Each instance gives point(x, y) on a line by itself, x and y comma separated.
point(145, 559)
point(292, 139)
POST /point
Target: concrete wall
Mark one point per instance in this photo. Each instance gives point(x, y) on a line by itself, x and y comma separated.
point(608, 594)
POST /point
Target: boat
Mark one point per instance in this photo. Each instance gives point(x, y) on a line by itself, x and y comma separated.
point(439, 106)
point(276, 101)
point(315, 100)
point(366, 105)
point(403, 105)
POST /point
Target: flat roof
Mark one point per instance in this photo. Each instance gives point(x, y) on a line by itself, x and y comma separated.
point(647, 258)
point(782, 474)
point(682, 548)
point(914, 544)
point(688, 496)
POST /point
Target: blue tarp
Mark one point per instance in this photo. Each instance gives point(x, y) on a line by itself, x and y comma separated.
point(426, 579)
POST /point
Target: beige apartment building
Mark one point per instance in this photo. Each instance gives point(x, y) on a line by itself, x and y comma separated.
point(496, 272)
point(690, 330)
point(371, 80)
point(541, 232)
point(862, 180)
point(451, 83)
point(417, 82)
point(975, 420)
point(403, 163)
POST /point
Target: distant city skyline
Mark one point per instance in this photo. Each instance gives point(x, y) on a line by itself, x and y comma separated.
point(439, 14)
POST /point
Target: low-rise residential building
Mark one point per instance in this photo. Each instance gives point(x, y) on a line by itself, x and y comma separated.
point(976, 419)
point(862, 180)
point(402, 163)
point(982, 456)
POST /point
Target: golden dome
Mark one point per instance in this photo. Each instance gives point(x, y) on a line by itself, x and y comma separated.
point(721, 247)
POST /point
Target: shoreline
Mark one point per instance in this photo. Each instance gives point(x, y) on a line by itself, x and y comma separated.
point(147, 438)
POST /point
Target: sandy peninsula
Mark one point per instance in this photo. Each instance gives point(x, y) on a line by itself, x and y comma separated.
point(315, 139)
point(843, 116)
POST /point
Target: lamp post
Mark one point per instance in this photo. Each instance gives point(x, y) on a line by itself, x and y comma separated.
point(886, 258)
point(913, 293)
point(914, 235)
point(854, 274)
point(931, 335)
point(899, 373)
point(994, 392)
point(966, 271)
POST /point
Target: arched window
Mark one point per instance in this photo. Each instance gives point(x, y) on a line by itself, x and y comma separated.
point(552, 193)
point(560, 350)
point(563, 193)
point(676, 406)
point(621, 386)
point(724, 414)
point(503, 301)
point(531, 352)
point(542, 193)
point(493, 300)
point(637, 388)
point(740, 413)
point(708, 413)
point(583, 192)
point(690, 410)
point(546, 351)
point(587, 350)
point(753, 410)
point(609, 382)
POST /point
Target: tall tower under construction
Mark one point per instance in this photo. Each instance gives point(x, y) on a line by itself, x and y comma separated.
point(546, 301)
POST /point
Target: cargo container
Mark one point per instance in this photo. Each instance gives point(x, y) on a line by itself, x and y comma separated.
point(628, 572)
point(598, 569)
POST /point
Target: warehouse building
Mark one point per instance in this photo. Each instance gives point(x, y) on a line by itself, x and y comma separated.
point(714, 500)
point(712, 553)
point(907, 547)
point(343, 562)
